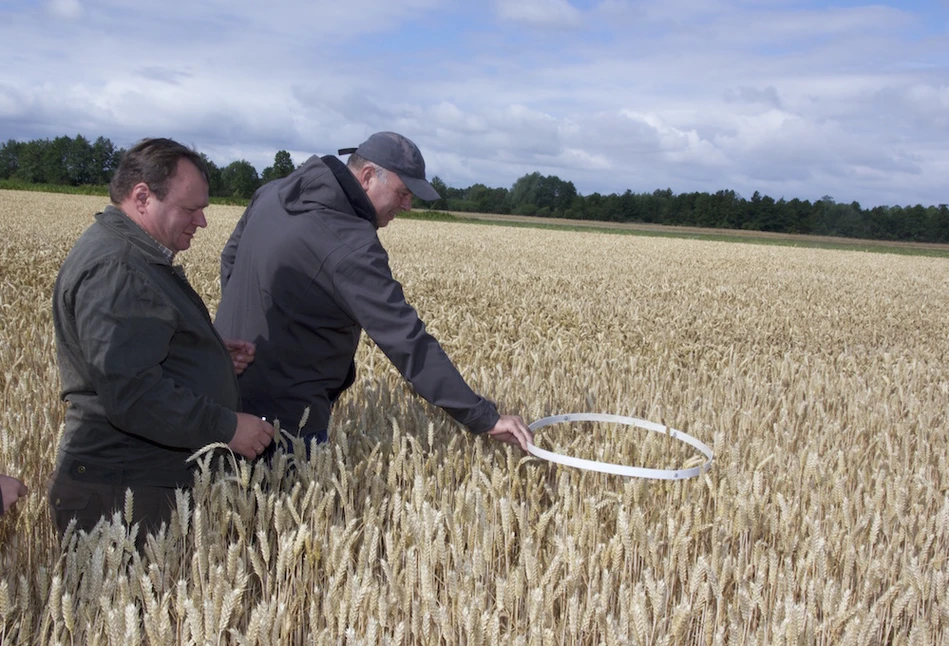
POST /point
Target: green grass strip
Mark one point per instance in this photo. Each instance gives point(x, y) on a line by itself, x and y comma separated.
point(846, 244)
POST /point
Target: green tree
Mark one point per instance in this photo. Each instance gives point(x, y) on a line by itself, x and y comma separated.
point(663, 206)
point(240, 179)
point(799, 216)
point(56, 160)
point(916, 223)
point(440, 204)
point(628, 207)
point(524, 194)
point(216, 186)
point(823, 216)
point(103, 159)
point(940, 224)
point(282, 166)
point(10, 158)
point(30, 161)
point(78, 162)
point(848, 221)
point(562, 192)
point(487, 200)
point(534, 192)
point(726, 206)
point(593, 207)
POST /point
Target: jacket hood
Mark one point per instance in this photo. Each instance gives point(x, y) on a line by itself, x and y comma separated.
point(314, 186)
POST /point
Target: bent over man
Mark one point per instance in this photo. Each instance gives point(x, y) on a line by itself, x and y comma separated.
point(146, 377)
point(304, 273)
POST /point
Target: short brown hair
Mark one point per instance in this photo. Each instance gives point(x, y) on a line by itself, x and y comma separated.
point(153, 161)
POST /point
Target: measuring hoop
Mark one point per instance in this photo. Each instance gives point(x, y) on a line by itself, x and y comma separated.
point(619, 469)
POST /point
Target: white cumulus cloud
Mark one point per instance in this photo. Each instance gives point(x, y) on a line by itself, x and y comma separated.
point(539, 13)
point(64, 9)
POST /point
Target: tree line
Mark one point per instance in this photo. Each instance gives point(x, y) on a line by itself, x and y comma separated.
point(66, 161)
point(81, 162)
point(550, 196)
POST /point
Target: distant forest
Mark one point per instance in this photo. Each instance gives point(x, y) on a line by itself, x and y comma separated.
point(81, 162)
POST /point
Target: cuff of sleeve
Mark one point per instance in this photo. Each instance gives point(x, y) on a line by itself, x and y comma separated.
point(227, 426)
point(486, 419)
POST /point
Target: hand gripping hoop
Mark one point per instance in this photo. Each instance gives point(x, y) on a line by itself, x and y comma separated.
point(618, 469)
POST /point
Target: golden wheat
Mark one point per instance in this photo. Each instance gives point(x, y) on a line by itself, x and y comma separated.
point(820, 378)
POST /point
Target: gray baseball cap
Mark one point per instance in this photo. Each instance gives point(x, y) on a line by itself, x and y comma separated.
point(399, 155)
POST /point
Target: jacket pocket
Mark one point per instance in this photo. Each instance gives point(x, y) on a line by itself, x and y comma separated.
point(69, 496)
point(69, 499)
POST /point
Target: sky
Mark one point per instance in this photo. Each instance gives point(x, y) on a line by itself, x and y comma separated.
point(793, 99)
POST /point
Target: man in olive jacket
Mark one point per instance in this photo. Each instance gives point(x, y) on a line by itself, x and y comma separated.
point(145, 375)
point(304, 273)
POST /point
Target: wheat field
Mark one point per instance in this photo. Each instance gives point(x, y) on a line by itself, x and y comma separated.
point(819, 378)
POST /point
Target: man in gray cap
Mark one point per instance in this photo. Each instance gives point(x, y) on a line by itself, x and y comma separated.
point(304, 273)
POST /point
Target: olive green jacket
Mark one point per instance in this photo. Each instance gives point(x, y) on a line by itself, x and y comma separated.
point(146, 377)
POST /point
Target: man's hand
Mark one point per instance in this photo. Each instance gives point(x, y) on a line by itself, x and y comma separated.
point(242, 353)
point(12, 490)
point(252, 436)
point(512, 430)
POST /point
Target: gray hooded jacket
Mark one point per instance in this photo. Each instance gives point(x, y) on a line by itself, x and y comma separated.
point(301, 276)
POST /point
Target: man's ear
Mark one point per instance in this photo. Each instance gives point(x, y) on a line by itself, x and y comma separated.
point(140, 194)
point(364, 174)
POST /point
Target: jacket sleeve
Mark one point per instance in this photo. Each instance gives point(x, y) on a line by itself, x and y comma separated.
point(125, 328)
point(375, 300)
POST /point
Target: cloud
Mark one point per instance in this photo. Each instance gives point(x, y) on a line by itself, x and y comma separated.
point(64, 9)
point(767, 96)
point(794, 99)
point(539, 13)
point(163, 74)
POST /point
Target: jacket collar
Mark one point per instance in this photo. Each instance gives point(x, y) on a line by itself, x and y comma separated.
point(357, 197)
point(116, 219)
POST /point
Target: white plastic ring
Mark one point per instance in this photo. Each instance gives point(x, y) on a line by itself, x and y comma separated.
point(619, 469)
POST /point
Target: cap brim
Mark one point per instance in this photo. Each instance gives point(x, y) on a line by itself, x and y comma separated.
point(420, 188)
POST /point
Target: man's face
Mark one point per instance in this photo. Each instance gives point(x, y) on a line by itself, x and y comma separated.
point(389, 197)
point(175, 219)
